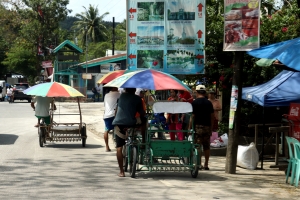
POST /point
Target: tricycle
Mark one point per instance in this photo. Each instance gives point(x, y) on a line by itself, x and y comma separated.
point(159, 154)
point(62, 132)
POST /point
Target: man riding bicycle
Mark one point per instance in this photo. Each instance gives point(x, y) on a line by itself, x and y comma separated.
point(128, 105)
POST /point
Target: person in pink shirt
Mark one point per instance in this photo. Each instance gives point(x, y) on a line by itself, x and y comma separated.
point(217, 107)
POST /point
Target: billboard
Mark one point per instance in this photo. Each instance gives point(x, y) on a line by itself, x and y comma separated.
point(241, 25)
point(166, 35)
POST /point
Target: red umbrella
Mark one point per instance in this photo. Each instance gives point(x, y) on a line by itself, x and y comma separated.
point(110, 76)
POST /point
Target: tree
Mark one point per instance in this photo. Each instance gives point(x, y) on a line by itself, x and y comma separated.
point(37, 25)
point(90, 23)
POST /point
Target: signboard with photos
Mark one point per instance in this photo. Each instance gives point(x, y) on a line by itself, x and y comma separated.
point(241, 25)
point(166, 35)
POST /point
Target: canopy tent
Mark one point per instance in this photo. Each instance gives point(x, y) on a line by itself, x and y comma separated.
point(279, 91)
point(287, 52)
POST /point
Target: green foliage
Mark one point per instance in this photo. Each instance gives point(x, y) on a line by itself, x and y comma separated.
point(68, 23)
point(91, 25)
point(20, 60)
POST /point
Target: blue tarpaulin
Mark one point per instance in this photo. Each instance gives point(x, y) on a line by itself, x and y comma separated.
point(286, 52)
point(282, 90)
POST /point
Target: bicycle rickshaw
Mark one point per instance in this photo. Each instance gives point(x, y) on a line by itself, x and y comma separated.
point(59, 132)
point(62, 132)
point(160, 155)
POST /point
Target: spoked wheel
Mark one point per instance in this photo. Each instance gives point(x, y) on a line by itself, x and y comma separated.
point(83, 134)
point(195, 159)
point(132, 162)
point(42, 138)
point(125, 158)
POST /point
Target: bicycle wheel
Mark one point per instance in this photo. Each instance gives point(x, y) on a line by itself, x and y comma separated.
point(41, 136)
point(125, 158)
point(195, 159)
point(83, 134)
point(132, 162)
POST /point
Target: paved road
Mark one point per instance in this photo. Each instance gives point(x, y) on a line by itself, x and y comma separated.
point(68, 171)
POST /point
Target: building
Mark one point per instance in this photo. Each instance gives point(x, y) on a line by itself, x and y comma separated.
point(68, 69)
point(181, 15)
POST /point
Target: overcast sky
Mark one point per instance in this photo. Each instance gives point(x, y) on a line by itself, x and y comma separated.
point(116, 8)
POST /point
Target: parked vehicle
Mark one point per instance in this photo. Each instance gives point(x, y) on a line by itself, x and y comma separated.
point(2, 90)
point(18, 92)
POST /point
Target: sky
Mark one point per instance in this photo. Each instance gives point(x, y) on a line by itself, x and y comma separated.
point(116, 8)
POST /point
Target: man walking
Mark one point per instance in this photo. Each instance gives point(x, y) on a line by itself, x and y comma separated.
point(203, 117)
point(110, 104)
point(96, 92)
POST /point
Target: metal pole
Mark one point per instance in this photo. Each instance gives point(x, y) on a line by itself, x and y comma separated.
point(86, 58)
point(113, 37)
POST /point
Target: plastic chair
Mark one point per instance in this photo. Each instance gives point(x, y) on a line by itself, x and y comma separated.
point(296, 164)
point(291, 160)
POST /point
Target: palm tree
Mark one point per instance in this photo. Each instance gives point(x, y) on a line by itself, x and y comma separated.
point(91, 24)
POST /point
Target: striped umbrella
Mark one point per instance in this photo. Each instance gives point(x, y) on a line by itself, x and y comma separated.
point(112, 75)
point(148, 79)
point(53, 89)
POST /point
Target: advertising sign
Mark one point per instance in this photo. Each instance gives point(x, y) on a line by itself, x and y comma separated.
point(166, 35)
point(233, 105)
point(242, 25)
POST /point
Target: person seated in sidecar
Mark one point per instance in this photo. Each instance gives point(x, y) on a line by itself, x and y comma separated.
point(160, 122)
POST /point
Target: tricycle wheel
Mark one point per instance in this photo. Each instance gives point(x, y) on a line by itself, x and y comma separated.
point(83, 135)
point(125, 158)
point(195, 163)
point(41, 136)
point(132, 162)
point(194, 172)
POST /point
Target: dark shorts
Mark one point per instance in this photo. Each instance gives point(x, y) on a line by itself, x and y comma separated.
point(202, 136)
point(120, 132)
point(120, 129)
point(46, 119)
point(108, 123)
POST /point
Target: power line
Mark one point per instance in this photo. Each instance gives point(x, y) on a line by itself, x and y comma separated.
point(114, 5)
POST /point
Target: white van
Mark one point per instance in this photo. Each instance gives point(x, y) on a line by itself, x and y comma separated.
point(2, 90)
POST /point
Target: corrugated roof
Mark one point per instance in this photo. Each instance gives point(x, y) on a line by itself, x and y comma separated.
point(103, 60)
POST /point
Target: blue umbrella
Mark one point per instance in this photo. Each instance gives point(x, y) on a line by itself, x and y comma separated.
point(7, 85)
point(286, 52)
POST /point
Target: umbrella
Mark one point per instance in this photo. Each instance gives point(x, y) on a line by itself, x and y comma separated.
point(112, 75)
point(148, 79)
point(53, 89)
point(286, 52)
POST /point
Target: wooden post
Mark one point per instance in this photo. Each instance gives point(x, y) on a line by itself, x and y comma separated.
point(233, 135)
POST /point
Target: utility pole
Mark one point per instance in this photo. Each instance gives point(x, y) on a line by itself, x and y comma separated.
point(113, 37)
point(233, 134)
point(86, 59)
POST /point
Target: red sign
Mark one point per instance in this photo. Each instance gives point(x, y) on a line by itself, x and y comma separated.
point(131, 10)
point(200, 56)
point(294, 116)
point(199, 34)
point(200, 6)
point(46, 64)
point(131, 56)
point(131, 34)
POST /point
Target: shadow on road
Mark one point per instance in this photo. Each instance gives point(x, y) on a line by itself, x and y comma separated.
point(73, 146)
point(8, 139)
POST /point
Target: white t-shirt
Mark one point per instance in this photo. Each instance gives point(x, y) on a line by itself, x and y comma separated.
point(42, 106)
point(9, 91)
point(98, 88)
point(110, 103)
